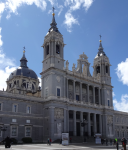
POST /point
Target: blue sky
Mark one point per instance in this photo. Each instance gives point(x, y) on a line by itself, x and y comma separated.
point(26, 22)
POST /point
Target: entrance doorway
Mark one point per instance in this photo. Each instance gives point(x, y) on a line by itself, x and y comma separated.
point(78, 128)
point(92, 133)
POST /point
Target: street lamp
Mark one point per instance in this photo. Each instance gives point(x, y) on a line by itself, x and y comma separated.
point(3, 129)
point(83, 125)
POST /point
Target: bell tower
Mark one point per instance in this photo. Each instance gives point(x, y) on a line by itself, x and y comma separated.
point(101, 66)
point(53, 47)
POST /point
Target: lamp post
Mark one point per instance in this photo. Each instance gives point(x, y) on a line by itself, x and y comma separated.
point(3, 129)
point(83, 125)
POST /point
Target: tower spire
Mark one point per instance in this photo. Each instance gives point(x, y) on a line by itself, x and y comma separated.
point(101, 52)
point(53, 23)
point(23, 61)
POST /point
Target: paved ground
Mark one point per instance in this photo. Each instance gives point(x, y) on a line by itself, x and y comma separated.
point(60, 147)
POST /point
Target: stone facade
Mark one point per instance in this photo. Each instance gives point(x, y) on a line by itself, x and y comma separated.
point(65, 98)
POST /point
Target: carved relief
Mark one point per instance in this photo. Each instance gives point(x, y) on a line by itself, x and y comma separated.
point(77, 89)
point(46, 78)
point(85, 70)
point(59, 113)
point(67, 64)
point(110, 120)
point(58, 78)
point(70, 87)
point(108, 93)
point(70, 95)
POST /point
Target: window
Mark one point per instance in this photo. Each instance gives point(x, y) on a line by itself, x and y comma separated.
point(0, 106)
point(28, 109)
point(108, 103)
point(47, 50)
point(14, 131)
point(15, 108)
point(0, 131)
point(106, 69)
point(77, 97)
point(98, 69)
point(27, 121)
point(28, 131)
point(57, 49)
point(13, 120)
point(58, 91)
point(117, 133)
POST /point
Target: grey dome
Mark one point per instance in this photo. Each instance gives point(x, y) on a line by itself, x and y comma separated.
point(24, 71)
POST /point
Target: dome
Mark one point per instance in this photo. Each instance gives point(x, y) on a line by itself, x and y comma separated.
point(24, 71)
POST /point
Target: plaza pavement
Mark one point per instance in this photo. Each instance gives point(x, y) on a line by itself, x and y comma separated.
point(60, 147)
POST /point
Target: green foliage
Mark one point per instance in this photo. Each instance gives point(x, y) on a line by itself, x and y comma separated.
point(27, 140)
point(14, 140)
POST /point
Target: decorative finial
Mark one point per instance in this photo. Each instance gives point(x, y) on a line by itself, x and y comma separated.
point(100, 38)
point(24, 49)
point(53, 11)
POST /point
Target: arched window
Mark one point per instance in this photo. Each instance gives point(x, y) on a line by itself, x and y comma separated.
point(98, 69)
point(47, 50)
point(106, 69)
point(57, 49)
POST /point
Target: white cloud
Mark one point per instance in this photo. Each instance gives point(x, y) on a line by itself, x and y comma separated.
point(2, 8)
point(121, 105)
point(122, 71)
point(69, 21)
point(1, 42)
point(40, 81)
point(113, 94)
point(75, 5)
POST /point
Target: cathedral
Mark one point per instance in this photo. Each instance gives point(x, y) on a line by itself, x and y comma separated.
point(65, 99)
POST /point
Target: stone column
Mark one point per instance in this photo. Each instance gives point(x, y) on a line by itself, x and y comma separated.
point(99, 95)
point(51, 122)
point(80, 91)
point(65, 120)
point(94, 94)
point(114, 125)
point(67, 88)
point(81, 119)
point(74, 122)
point(42, 85)
point(100, 123)
point(89, 125)
point(64, 88)
point(94, 123)
point(104, 131)
point(74, 89)
point(88, 92)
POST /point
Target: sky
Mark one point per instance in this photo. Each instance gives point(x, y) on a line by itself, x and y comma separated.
point(26, 22)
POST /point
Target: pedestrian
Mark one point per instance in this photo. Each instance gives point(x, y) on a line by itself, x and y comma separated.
point(7, 141)
point(70, 140)
point(117, 145)
point(48, 141)
point(124, 141)
point(60, 141)
point(106, 142)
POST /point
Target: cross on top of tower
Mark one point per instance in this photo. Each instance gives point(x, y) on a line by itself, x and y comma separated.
point(100, 38)
point(24, 49)
point(53, 9)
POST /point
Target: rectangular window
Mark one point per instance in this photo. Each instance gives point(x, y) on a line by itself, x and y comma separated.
point(77, 97)
point(117, 133)
point(28, 109)
point(0, 106)
point(13, 120)
point(58, 91)
point(0, 131)
point(108, 103)
point(28, 131)
point(15, 108)
point(14, 131)
point(27, 121)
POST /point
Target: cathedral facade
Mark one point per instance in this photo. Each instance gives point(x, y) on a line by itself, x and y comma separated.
point(65, 99)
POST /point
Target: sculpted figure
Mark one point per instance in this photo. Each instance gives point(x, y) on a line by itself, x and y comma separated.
point(85, 70)
point(73, 67)
point(67, 64)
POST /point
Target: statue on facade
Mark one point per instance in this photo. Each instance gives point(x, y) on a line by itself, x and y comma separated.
point(85, 70)
point(73, 67)
point(67, 64)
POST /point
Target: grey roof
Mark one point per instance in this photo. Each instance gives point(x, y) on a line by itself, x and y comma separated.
point(23, 69)
point(53, 26)
point(101, 52)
